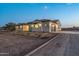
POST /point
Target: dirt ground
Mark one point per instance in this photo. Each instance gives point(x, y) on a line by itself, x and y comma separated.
point(21, 43)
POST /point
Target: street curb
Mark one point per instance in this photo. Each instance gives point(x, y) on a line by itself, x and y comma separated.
point(41, 46)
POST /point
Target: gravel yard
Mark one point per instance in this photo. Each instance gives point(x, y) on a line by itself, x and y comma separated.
point(21, 43)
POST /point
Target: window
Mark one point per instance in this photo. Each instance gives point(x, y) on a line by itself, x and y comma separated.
point(32, 25)
point(36, 26)
point(40, 25)
point(20, 26)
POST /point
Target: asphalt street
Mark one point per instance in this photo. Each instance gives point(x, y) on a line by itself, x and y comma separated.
point(65, 44)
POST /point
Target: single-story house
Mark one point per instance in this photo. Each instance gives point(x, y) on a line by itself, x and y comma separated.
point(44, 25)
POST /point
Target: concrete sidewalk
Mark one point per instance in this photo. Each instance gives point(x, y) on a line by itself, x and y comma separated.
point(68, 32)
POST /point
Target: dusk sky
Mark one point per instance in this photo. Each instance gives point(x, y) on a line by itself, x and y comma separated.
point(67, 13)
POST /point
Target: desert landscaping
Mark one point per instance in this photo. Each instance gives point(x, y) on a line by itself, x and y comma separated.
point(21, 43)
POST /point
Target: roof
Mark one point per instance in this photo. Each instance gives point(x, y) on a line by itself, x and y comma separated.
point(21, 24)
point(45, 20)
point(37, 21)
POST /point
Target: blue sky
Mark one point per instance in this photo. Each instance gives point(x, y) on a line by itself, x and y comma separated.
point(67, 13)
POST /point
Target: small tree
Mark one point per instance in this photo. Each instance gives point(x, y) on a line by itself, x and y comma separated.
point(0, 27)
point(10, 26)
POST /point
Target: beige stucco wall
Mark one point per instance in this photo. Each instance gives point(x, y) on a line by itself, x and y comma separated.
point(16, 27)
point(25, 27)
